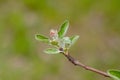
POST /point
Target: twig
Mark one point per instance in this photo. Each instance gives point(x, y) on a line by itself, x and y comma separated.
point(77, 63)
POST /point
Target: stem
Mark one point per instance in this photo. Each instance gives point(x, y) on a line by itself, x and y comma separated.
point(77, 63)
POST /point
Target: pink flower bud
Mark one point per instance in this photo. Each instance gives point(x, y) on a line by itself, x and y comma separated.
point(53, 33)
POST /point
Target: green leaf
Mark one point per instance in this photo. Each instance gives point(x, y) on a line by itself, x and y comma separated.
point(42, 38)
point(74, 39)
point(115, 74)
point(54, 42)
point(52, 51)
point(63, 29)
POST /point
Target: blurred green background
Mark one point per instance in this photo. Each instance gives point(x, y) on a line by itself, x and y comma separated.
point(21, 56)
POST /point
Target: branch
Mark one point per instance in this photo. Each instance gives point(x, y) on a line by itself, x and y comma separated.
point(77, 63)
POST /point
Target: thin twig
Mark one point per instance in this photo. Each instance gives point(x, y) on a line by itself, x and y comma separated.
point(77, 63)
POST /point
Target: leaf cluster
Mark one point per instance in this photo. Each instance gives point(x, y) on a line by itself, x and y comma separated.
point(60, 40)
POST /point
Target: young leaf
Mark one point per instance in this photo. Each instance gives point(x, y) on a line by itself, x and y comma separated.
point(41, 38)
point(74, 39)
point(63, 29)
point(52, 51)
point(66, 40)
point(115, 74)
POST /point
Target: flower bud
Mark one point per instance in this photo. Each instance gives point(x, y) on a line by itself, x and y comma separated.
point(54, 34)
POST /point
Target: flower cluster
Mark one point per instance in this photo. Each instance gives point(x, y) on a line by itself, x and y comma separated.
point(58, 39)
